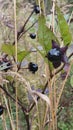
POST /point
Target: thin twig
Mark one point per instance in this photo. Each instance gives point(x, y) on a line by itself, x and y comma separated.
point(11, 121)
point(9, 95)
point(16, 93)
point(27, 29)
point(63, 87)
point(32, 105)
point(27, 120)
point(20, 33)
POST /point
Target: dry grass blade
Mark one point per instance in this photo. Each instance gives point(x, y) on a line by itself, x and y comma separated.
point(18, 77)
point(42, 96)
point(16, 61)
point(11, 121)
point(63, 85)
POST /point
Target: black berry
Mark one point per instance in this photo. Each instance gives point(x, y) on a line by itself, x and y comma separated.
point(37, 9)
point(32, 67)
point(1, 110)
point(54, 55)
point(33, 35)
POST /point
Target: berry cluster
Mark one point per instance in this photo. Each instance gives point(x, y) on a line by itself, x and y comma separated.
point(32, 66)
point(57, 55)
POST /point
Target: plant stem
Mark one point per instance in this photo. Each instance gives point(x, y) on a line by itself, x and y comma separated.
point(20, 33)
point(26, 115)
point(32, 105)
point(9, 95)
point(27, 120)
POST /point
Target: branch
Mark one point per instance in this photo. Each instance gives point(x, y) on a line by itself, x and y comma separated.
point(9, 95)
point(26, 114)
point(31, 107)
point(27, 30)
point(27, 120)
point(19, 34)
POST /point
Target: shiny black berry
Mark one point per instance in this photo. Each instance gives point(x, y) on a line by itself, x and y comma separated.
point(1, 110)
point(37, 9)
point(32, 67)
point(54, 55)
point(32, 35)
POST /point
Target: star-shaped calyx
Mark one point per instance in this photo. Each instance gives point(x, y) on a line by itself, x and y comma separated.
point(57, 54)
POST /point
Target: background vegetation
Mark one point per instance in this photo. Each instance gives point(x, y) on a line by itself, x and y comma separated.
point(44, 100)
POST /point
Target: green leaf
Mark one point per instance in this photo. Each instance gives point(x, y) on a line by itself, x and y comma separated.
point(8, 49)
point(64, 28)
point(21, 55)
point(45, 35)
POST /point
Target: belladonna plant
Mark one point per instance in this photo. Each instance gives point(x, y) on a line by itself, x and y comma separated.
point(57, 54)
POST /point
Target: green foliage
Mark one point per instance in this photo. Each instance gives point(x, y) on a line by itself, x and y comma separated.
point(8, 49)
point(21, 55)
point(62, 126)
point(64, 28)
point(65, 117)
point(45, 35)
point(1, 125)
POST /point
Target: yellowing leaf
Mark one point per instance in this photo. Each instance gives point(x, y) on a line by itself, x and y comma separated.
point(42, 96)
